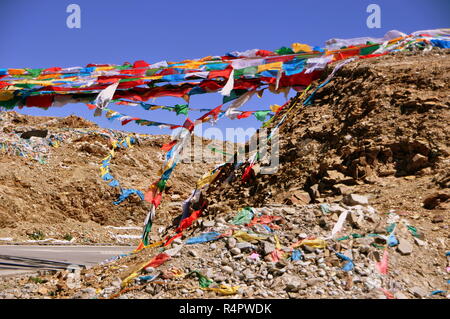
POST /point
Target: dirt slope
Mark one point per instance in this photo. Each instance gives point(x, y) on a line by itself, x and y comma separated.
point(64, 193)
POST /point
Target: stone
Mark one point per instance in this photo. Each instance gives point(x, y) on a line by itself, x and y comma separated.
point(244, 246)
point(149, 270)
point(343, 189)
point(42, 291)
point(404, 247)
point(300, 197)
point(73, 281)
point(116, 283)
point(199, 292)
point(220, 278)
point(221, 220)
point(419, 242)
point(175, 251)
point(178, 240)
point(354, 199)
point(315, 191)
point(193, 253)
point(227, 269)
point(355, 219)
point(231, 242)
point(248, 275)
point(208, 223)
point(288, 210)
point(293, 283)
point(437, 219)
point(418, 292)
point(335, 175)
point(268, 247)
point(309, 249)
point(335, 208)
point(88, 293)
point(313, 281)
point(184, 291)
point(235, 251)
point(400, 295)
point(417, 162)
point(434, 200)
point(364, 241)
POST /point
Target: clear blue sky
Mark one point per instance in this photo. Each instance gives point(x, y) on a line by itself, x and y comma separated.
point(34, 34)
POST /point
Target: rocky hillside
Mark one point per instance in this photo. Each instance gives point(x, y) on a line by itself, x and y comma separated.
point(51, 187)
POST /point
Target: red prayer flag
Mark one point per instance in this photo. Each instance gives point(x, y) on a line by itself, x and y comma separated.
point(185, 223)
point(129, 120)
point(188, 124)
point(264, 53)
point(243, 115)
point(248, 171)
point(39, 100)
point(158, 260)
point(220, 73)
point(140, 64)
point(167, 147)
point(170, 240)
point(214, 112)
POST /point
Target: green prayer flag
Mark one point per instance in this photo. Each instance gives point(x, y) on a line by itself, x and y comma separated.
point(390, 228)
point(284, 50)
point(162, 184)
point(25, 85)
point(181, 109)
point(261, 115)
point(243, 217)
point(151, 72)
point(368, 50)
point(249, 71)
point(34, 72)
point(10, 104)
point(203, 281)
point(123, 67)
point(234, 95)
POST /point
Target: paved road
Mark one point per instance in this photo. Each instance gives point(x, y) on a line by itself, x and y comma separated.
point(25, 258)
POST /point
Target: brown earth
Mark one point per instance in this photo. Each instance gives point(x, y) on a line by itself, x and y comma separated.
point(66, 195)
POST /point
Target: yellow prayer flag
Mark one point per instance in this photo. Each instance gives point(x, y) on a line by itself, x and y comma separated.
point(16, 71)
point(274, 108)
point(242, 236)
point(104, 68)
point(206, 179)
point(6, 95)
point(277, 241)
point(224, 289)
point(299, 47)
point(269, 66)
